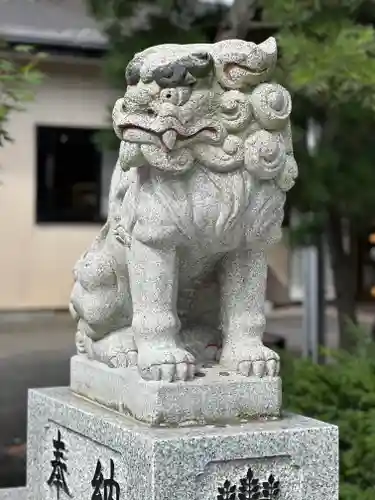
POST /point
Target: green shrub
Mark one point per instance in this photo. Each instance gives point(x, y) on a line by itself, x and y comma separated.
point(341, 392)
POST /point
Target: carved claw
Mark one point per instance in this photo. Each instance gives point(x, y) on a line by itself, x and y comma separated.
point(252, 359)
point(166, 364)
point(123, 358)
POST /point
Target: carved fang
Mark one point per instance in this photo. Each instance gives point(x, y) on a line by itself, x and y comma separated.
point(169, 139)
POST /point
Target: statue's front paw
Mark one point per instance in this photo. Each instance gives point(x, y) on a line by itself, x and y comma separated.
point(165, 363)
point(251, 359)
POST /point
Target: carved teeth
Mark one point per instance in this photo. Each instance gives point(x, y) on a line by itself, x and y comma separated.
point(169, 138)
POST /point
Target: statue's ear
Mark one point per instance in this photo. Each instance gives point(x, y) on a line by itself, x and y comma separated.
point(240, 64)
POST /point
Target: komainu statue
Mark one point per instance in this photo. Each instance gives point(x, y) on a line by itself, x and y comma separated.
point(177, 275)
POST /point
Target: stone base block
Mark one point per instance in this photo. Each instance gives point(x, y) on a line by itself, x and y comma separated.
point(77, 449)
point(214, 396)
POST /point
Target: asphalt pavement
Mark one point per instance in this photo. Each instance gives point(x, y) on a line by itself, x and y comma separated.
point(34, 352)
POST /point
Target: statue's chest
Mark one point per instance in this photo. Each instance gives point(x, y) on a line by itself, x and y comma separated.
point(202, 207)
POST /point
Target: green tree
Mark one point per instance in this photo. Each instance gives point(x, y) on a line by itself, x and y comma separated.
point(341, 392)
point(18, 77)
point(133, 25)
point(327, 62)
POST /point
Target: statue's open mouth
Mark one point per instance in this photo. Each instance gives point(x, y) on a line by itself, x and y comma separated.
point(168, 138)
point(254, 72)
point(163, 134)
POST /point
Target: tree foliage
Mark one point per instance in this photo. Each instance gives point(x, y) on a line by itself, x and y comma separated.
point(341, 392)
point(133, 25)
point(327, 61)
point(17, 80)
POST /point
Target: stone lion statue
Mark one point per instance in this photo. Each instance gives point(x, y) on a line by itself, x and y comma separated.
point(177, 275)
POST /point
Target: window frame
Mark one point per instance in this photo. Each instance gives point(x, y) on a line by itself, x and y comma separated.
point(40, 221)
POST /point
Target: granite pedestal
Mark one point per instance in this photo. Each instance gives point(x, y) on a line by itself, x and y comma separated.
point(215, 395)
point(96, 450)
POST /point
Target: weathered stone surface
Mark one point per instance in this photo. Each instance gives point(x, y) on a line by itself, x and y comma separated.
point(13, 494)
point(199, 188)
point(189, 463)
point(214, 395)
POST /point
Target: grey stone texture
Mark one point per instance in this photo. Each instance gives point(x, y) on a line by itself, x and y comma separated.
point(175, 463)
point(173, 288)
point(196, 197)
point(215, 395)
point(13, 494)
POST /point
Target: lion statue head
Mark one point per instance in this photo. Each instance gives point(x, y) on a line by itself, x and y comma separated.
point(212, 108)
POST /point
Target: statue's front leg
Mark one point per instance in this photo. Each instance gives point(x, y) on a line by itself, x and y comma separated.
point(153, 273)
point(244, 277)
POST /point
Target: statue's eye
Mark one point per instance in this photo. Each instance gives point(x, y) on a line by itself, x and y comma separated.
point(177, 96)
point(170, 95)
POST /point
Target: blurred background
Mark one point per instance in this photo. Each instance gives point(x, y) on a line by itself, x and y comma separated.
point(61, 69)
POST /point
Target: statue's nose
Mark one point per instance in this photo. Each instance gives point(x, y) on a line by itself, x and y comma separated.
point(168, 109)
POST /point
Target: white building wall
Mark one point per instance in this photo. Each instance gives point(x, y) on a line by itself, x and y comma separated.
point(36, 260)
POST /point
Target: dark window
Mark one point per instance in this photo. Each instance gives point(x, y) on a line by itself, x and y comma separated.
point(72, 176)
